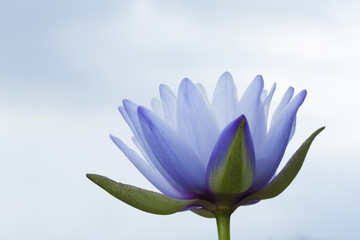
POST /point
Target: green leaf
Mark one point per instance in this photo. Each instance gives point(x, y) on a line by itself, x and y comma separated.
point(204, 213)
point(232, 167)
point(145, 200)
point(286, 176)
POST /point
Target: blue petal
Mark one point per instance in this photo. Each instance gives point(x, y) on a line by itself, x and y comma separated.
point(275, 143)
point(252, 107)
point(147, 171)
point(128, 121)
point(267, 102)
point(131, 113)
point(263, 95)
point(131, 118)
point(173, 153)
point(293, 126)
point(202, 91)
point(156, 107)
point(168, 100)
point(142, 151)
point(284, 101)
point(224, 102)
point(195, 122)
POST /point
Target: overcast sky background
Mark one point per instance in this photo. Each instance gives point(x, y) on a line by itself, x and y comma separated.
point(65, 66)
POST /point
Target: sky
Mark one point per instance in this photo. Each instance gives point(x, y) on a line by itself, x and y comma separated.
point(65, 67)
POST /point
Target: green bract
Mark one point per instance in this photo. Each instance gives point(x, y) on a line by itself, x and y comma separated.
point(286, 176)
point(145, 200)
point(233, 173)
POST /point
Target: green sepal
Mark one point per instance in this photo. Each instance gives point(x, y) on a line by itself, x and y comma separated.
point(204, 213)
point(145, 200)
point(286, 175)
point(234, 173)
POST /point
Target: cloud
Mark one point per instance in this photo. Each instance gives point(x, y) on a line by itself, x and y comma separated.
point(66, 66)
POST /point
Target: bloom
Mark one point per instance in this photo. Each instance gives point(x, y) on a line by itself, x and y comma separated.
point(208, 156)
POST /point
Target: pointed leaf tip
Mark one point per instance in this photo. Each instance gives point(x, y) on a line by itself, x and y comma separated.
point(142, 199)
point(286, 175)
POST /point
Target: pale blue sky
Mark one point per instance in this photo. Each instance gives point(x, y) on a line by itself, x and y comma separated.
point(65, 66)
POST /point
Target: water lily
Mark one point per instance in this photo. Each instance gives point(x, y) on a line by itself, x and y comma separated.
point(209, 158)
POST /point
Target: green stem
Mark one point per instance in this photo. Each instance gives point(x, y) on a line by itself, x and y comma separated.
point(223, 224)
